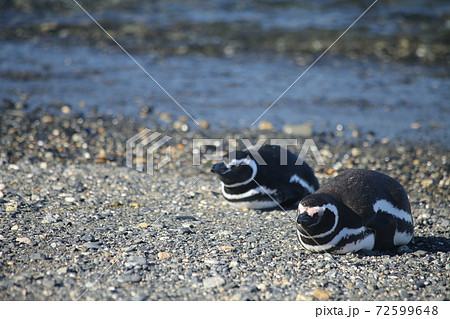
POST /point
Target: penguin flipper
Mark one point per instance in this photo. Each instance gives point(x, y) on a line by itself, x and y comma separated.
point(292, 195)
point(384, 226)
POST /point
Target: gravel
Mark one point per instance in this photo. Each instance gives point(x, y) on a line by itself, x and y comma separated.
point(78, 224)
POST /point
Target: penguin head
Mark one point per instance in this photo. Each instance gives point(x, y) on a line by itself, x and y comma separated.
point(237, 168)
point(317, 216)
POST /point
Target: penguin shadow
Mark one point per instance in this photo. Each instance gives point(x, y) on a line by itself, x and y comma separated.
point(289, 211)
point(419, 245)
point(289, 208)
point(432, 244)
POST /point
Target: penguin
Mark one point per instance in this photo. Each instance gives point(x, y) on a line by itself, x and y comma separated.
point(358, 209)
point(267, 182)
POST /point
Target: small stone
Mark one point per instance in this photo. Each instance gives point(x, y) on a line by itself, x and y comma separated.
point(14, 167)
point(321, 294)
point(213, 282)
point(49, 218)
point(227, 248)
point(445, 223)
point(301, 130)
point(164, 255)
point(181, 217)
point(285, 282)
point(140, 297)
point(256, 251)
point(236, 297)
point(230, 285)
point(303, 297)
point(424, 216)
point(165, 116)
point(187, 225)
point(261, 287)
point(38, 256)
point(265, 126)
point(143, 225)
point(355, 152)
point(249, 289)
point(185, 230)
point(62, 270)
point(420, 253)
point(66, 109)
point(136, 261)
point(129, 278)
point(101, 157)
point(24, 240)
point(11, 208)
point(47, 119)
point(87, 237)
point(48, 283)
point(15, 227)
point(92, 245)
point(427, 183)
point(371, 287)
point(420, 284)
point(18, 278)
point(69, 199)
point(252, 239)
point(403, 294)
point(415, 125)
point(203, 124)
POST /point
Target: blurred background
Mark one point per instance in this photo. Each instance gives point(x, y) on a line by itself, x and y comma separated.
point(226, 61)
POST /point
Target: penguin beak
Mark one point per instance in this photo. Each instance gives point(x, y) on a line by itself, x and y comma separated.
point(306, 220)
point(219, 168)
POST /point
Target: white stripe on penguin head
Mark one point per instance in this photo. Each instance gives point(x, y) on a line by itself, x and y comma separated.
point(296, 179)
point(246, 161)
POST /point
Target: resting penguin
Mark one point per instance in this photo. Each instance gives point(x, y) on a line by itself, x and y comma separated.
point(358, 209)
point(247, 182)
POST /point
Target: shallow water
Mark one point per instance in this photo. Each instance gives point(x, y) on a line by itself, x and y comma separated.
point(226, 62)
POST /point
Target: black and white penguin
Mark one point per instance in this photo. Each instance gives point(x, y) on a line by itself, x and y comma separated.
point(247, 183)
point(358, 209)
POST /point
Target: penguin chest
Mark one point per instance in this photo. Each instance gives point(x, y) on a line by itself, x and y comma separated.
point(257, 196)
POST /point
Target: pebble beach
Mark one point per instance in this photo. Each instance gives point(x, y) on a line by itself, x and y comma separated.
point(366, 82)
point(78, 224)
